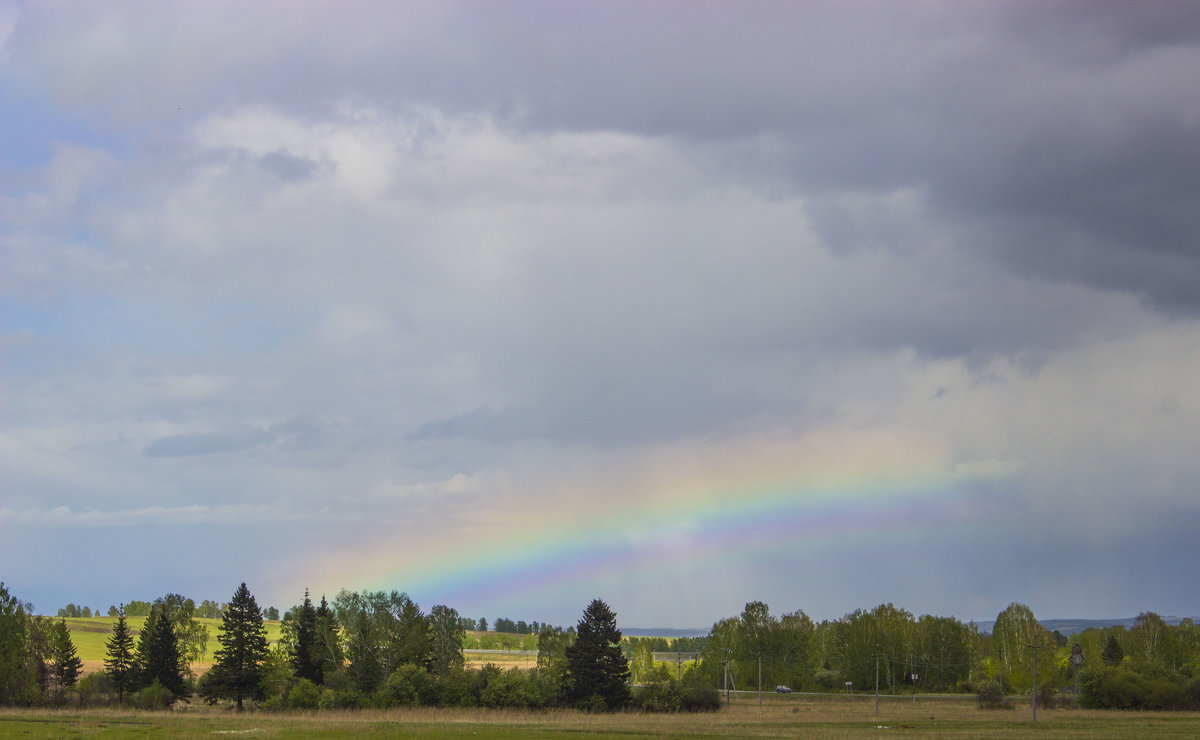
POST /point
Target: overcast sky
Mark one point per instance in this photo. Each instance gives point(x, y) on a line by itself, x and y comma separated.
point(677, 304)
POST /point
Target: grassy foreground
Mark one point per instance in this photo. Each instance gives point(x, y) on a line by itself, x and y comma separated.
point(834, 717)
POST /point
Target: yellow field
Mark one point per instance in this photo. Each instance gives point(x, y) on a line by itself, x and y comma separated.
point(90, 635)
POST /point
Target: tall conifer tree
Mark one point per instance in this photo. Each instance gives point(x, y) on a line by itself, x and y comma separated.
point(328, 647)
point(596, 667)
point(66, 664)
point(158, 652)
point(304, 659)
point(119, 661)
point(237, 673)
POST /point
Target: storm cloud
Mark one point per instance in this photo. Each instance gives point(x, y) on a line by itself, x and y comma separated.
point(406, 276)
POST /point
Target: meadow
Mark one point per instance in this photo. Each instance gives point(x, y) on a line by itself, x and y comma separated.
point(779, 716)
point(89, 634)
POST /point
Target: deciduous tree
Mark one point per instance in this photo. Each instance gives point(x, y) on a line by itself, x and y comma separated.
point(446, 639)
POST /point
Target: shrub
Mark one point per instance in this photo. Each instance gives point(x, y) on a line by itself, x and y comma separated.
point(697, 698)
point(511, 688)
point(453, 689)
point(991, 696)
point(1121, 688)
point(594, 703)
point(154, 696)
point(659, 696)
point(95, 689)
point(304, 695)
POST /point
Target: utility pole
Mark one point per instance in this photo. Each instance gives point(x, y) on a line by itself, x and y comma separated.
point(760, 679)
point(725, 671)
point(1034, 648)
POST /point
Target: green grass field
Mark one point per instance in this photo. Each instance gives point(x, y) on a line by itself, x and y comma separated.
point(779, 716)
point(90, 635)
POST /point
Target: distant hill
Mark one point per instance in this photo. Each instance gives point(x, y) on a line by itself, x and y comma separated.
point(1071, 627)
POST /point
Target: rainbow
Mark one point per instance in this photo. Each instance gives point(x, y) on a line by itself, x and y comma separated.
point(673, 514)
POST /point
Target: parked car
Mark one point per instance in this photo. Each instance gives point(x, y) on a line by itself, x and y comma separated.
point(783, 689)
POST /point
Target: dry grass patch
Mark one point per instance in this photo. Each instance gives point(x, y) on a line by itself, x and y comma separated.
point(789, 716)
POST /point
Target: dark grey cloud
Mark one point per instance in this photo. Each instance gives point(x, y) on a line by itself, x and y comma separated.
point(1058, 139)
point(287, 167)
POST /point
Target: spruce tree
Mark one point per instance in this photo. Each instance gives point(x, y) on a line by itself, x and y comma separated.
point(66, 664)
point(328, 644)
point(158, 653)
point(119, 661)
point(1113, 654)
point(237, 673)
point(596, 667)
point(304, 658)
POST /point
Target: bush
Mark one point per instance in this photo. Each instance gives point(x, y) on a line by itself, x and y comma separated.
point(698, 698)
point(1047, 696)
point(407, 686)
point(304, 695)
point(594, 703)
point(453, 689)
point(991, 696)
point(659, 696)
point(95, 690)
point(671, 695)
point(1107, 687)
point(154, 696)
point(511, 688)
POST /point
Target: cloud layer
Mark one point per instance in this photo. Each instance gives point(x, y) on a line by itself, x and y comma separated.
point(436, 296)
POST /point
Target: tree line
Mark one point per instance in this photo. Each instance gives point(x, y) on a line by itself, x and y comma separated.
point(1152, 665)
point(365, 649)
point(380, 649)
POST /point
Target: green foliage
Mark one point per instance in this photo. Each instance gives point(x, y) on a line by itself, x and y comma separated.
point(95, 689)
point(455, 689)
point(991, 695)
point(66, 664)
point(138, 608)
point(671, 695)
point(192, 636)
point(1015, 631)
point(327, 647)
point(304, 695)
point(1108, 687)
point(304, 647)
point(1113, 654)
point(237, 673)
point(445, 639)
point(19, 674)
point(381, 632)
point(120, 663)
point(514, 688)
point(154, 696)
point(158, 655)
point(408, 686)
point(596, 667)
